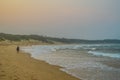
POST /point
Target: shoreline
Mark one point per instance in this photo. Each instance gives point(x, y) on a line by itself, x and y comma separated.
point(88, 66)
point(21, 66)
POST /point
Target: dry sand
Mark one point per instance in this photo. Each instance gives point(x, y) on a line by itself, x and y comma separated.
point(20, 66)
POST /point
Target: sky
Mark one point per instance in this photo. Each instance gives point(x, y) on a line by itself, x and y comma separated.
point(80, 19)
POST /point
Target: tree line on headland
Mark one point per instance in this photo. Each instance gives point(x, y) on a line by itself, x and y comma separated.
point(46, 39)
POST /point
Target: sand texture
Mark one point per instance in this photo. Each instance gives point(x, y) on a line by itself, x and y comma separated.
point(20, 66)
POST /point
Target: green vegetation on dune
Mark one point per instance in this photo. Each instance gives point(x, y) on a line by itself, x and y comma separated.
point(45, 39)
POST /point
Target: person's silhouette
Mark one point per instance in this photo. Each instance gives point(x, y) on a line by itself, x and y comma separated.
point(18, 49)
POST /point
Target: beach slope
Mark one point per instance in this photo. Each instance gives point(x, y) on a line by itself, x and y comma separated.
point(20, 66)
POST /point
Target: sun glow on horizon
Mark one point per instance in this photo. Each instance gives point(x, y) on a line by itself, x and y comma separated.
point(59, 17)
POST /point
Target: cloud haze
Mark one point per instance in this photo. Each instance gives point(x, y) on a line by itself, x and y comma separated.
point(84, 19)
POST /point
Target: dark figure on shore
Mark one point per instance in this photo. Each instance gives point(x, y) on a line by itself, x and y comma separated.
point(18, 49)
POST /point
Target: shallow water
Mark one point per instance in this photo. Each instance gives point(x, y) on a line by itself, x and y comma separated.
point(76, 60)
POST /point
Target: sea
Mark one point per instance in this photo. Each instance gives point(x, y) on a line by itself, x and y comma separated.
point(83, 61)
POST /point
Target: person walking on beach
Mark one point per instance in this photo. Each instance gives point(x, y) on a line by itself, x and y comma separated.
point(18, 49)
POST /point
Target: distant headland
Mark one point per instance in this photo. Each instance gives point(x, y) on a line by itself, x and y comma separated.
point(51, 40)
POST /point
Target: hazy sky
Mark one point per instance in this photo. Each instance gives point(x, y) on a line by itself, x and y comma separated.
point(83, 19)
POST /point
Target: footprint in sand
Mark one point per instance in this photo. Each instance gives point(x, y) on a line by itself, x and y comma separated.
point(2, 74)
point(2, 71)
point(15, 77)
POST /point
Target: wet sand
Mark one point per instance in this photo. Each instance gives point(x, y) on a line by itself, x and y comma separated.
point(83, 65)
point(20, 66)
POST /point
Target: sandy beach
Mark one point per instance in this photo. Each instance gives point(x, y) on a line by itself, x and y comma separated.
point(20, 66)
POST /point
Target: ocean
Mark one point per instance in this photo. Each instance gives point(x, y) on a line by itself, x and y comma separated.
point(84, 61)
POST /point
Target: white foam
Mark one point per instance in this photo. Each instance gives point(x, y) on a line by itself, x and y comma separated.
point(112, 55)
point(71, 62)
